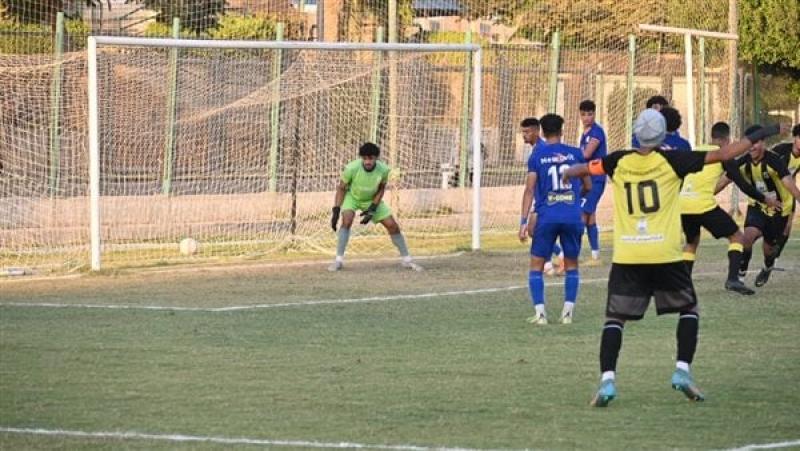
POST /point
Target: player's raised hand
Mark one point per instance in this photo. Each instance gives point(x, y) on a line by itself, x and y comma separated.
point(335, 217)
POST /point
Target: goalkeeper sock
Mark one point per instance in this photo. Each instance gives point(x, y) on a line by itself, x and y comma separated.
point(594, 239)
point(400, 243)
point(571, 283)
point(734, 260)
point(536, 286)
point(341, 243)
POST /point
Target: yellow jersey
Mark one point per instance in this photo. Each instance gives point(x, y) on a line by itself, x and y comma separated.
point(647, 214)
point(697, 193)
point(766, 177)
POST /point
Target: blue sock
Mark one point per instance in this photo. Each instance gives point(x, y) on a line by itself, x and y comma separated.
point(571, 285)
point(536, 286)
point(594, 239)
point(557, 249)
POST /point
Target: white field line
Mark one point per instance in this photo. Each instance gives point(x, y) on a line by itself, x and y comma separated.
point(219, 440)
point(235, 308)
point(775, 445)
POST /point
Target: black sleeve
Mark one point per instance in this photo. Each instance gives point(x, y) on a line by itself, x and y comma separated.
point(777, 164)
point(611, 160)
point(684, 163)
point(732, 172)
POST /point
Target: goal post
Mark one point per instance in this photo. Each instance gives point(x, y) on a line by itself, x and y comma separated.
point(432, 105)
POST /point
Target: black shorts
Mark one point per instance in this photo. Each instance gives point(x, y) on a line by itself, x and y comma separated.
point(630, 287)
point(716, 221)
point(771, 227)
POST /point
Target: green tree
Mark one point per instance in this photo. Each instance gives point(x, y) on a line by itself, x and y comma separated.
point(769, 32)
point(195, 15)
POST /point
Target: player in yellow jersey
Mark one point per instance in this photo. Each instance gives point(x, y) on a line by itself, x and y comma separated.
point(790, 154)
point(699, 209)
point(647, 261)
point(361, 187)
point(768, 173)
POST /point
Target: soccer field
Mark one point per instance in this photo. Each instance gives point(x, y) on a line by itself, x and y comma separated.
point(374, 357)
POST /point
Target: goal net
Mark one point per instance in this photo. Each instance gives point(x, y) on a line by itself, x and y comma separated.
point(237, 146)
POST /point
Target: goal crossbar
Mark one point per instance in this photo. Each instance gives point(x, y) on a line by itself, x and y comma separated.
point(119, 41)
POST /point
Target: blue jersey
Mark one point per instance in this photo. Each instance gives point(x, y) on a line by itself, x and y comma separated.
point(635, 142)
point(555, 201)
point(596, 132)
point(673, 141)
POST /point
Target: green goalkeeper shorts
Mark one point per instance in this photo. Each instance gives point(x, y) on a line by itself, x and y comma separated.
point(381, 213)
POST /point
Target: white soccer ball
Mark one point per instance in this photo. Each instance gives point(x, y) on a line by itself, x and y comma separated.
point(189, 246)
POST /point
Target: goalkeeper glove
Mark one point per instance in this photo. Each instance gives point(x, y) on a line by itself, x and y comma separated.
point(335, 217)
point(366, 216)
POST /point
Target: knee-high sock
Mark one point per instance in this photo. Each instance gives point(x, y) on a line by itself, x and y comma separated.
point(341, 243)
point(594, 238)
point(400, 243)
point(747, 254)
point(536, 287)
point(610, 344)
point(734, 260)
point(571, 284)
point(686, 334)
point(781, 244)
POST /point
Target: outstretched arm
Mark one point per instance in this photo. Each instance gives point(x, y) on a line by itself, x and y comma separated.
point(737, 148)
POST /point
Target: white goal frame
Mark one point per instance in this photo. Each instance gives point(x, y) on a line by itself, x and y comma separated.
point(94, 121)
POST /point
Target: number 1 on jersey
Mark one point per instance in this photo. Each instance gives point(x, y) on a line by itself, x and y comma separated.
point(557, 176)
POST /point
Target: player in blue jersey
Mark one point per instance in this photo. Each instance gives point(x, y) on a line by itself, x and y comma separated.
point(532, 137)
point(593, 146)
point(672, 140)
point(653, 103)
point(558, 215)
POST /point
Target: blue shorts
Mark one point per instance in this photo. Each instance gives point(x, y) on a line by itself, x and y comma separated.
point(544, 238)
point(592, 198)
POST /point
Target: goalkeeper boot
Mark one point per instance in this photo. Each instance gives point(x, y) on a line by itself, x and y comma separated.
point(566, 318)
point(605, 394)
point(682, 381)
point(539, 319)
point(763, 276)
point(335, 266)
point(737, 286)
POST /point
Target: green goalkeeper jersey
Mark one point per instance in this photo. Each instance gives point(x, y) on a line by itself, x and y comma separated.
point(363, 184)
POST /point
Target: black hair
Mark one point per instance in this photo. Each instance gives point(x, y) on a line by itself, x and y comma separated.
point(657, 100)
point(587, 105)
point(720, 130)
point(552, 125)
point(529, 122)
point(752, 129)
point(369, 150)
point(796, 130)
point(672, 117)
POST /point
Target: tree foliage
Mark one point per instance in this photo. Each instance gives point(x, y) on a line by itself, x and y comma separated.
point(195, 15)
point(43, 12)
point(770, 32)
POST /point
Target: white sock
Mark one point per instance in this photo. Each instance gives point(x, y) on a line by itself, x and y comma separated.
point(540, 309)
point(595, 254)
point(607, 375)
point(681, 365)
point(340, 258)
point(407, 259)
point(568, 307)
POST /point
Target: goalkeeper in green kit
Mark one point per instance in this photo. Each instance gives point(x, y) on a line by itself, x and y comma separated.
point(361, 188)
